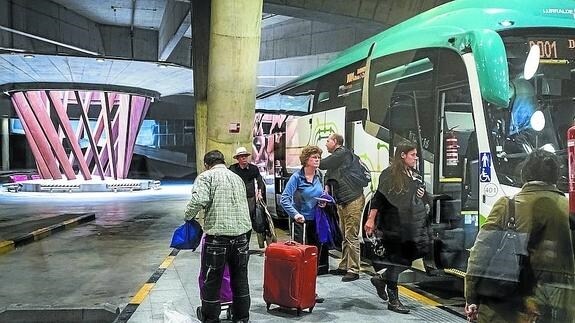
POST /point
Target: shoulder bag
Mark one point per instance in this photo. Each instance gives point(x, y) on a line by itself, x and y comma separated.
point(502, 258)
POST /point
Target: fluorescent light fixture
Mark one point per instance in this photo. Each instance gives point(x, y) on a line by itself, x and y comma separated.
point(28, 56)
point(100, 60)
point(404, 71)
point(549, 148)
point(506, 23)
point(8, 49)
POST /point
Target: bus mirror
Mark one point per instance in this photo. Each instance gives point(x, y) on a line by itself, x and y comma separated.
point(491, 62)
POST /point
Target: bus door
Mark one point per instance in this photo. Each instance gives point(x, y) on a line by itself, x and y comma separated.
point(456, 205)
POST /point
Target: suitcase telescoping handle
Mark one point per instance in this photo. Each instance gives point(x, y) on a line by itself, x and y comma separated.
point(292, 229)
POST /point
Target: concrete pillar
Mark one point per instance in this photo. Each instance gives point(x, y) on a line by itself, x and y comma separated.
point(200, 57)
point(5, 144)
point(234, 53)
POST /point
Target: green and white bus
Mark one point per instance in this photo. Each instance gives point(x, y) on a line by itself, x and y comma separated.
point(476, 84)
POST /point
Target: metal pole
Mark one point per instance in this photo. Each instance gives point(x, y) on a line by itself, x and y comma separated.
point(5, 144)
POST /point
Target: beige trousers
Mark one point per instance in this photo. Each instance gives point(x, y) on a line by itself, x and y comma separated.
point(349, 218)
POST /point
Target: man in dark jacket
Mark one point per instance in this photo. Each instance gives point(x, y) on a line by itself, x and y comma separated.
point(350, 202)
point(251, 176)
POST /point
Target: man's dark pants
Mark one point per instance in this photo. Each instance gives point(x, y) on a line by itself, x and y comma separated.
point(217, 251)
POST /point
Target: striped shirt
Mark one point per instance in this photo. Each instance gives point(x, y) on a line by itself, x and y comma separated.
point(222, 194)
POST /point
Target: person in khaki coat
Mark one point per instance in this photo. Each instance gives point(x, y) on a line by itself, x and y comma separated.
point(541, 210)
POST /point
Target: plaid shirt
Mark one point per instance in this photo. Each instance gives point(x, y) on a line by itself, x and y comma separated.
point(223, 196)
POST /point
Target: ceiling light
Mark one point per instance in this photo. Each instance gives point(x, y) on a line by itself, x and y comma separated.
point(28, 56)
point(161, 65)
point(100, 60)
point(507, 23)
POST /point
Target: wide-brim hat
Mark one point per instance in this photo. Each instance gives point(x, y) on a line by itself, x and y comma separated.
point(241, 151)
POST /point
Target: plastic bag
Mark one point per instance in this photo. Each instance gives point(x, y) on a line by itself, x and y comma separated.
point(187, 236)
point(171, 315)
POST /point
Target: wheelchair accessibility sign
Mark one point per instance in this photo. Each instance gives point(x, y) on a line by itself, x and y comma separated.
point(485, 167)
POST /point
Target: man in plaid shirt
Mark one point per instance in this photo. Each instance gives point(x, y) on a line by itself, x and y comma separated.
point(227, 225)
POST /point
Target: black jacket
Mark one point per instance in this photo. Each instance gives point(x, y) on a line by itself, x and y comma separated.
point(248, 175)
point(402, 218)
point(335, 164)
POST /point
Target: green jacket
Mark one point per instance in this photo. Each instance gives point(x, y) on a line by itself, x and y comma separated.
point(542, 212)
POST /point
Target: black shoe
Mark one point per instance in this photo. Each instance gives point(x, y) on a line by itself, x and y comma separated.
point(394, 304)
point(397, 307)
point(319, 299)
point(349, 277)
point(338, 272)
point(379, 284)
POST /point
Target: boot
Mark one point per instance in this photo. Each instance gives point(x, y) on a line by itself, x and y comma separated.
point(379, 284)
point(394, 304)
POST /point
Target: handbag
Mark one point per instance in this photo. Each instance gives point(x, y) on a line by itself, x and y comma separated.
point(501, 263)
point(377, 245)
point(260, 221)
point(187, 236)
point(270, 230)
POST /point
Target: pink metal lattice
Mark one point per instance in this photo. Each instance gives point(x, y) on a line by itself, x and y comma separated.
point(55, 144)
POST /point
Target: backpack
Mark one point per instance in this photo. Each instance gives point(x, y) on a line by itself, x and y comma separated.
point(357, 173)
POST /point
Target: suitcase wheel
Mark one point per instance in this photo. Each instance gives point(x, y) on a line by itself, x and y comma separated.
point(229, 314)
point(199, 314)
point(311, 309)
point(298, 312)
point(268, 306)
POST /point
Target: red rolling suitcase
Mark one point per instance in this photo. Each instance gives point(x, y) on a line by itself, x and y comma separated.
point(290, 272)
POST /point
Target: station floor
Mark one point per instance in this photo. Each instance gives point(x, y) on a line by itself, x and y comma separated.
point(112, 260)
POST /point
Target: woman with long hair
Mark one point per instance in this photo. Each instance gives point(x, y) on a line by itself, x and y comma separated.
point(398, 215)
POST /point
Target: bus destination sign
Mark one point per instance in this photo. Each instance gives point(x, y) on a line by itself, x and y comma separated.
point(554, 48)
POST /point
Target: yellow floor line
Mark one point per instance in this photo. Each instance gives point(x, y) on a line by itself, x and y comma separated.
point(71, 221)
point(41, 233)
point(6, 246)
point(145, 290)
point(142, 293)
point(418, 297)
point(167, 262)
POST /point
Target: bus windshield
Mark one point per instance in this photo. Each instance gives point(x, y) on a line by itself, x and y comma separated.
point(542, 106)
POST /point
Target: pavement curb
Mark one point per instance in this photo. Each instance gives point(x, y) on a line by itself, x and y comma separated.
point(144, 291)
point(9, 245)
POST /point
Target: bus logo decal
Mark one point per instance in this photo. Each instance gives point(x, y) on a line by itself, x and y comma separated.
point(485, 167)
point(559, 11)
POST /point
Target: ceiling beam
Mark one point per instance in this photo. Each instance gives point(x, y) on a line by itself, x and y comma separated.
point(175, 22)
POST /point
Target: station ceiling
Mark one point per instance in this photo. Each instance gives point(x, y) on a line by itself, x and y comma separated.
point(167, 79)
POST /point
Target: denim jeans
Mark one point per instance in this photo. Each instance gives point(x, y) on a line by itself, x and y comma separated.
point(217, 251)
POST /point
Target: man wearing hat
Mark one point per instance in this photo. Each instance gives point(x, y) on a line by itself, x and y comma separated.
point(250, 174)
